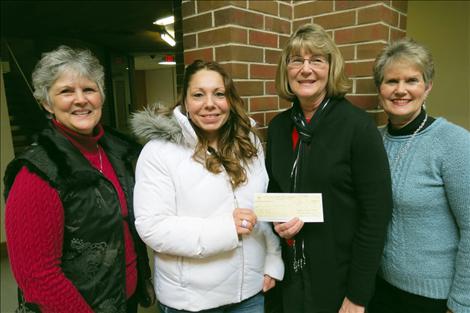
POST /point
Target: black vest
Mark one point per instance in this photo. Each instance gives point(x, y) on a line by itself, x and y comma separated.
point(93, 248)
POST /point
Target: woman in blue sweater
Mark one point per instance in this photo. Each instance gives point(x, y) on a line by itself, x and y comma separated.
point(426, 262)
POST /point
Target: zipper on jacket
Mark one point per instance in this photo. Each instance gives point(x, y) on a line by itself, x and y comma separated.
point(121, 225)
point(235, 201)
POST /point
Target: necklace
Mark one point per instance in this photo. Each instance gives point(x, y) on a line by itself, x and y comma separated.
point(101, 159)
point(404, 148)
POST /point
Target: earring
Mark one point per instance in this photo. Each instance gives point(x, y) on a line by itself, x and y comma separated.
point(187, 115)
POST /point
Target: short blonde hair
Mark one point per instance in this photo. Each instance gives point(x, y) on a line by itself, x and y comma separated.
point(312, 38)
point(407, 50)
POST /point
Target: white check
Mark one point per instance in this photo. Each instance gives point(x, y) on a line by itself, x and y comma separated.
point(281, 207)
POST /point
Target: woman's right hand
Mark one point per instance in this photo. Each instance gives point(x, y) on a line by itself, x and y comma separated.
point(245, 220)
point(288, 229)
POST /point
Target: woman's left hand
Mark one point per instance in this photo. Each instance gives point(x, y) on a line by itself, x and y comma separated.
point(268, 283)
point(288, 229)
point(349, 307)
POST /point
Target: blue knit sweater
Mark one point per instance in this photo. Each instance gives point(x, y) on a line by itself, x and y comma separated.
point(427, 251)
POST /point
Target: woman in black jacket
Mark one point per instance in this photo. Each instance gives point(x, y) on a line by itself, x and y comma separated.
point(323, 144)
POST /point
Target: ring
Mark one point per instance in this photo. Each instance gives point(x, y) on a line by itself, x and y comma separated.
point(244, 223)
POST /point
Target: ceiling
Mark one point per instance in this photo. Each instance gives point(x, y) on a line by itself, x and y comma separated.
point(125, 26)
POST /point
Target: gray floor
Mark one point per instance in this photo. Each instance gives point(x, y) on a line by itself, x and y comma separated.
point(8, 301)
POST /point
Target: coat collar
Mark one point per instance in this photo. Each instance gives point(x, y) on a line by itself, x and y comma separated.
point(155, 123)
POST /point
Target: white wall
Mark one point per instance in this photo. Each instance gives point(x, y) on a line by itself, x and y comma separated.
point(444, 27)
point(161, 85)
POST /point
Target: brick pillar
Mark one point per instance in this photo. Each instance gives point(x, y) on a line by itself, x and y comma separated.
point(246, 37)
point(360, 29)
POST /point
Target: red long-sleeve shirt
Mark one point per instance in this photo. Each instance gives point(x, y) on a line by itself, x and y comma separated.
point(34, 222)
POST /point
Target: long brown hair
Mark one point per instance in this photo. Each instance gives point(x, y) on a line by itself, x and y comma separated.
point(235, 147)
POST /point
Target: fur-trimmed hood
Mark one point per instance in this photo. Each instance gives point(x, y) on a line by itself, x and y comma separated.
point(149, 124)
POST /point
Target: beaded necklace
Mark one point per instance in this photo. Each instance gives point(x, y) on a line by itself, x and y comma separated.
point(407, 145)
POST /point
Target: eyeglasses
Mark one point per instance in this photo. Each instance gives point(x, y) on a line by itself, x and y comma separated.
point(316, 62)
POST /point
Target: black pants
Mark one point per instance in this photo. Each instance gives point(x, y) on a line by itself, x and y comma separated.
point(132, 304)
point(390, 299)
point(293, 296)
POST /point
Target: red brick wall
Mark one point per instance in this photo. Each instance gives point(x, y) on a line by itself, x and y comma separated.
point(246, 37)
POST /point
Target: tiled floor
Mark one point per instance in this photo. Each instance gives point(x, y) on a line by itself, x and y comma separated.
point(8, 301)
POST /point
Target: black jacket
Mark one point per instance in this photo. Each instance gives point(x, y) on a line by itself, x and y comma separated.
point(93, 248)
point(347, 163)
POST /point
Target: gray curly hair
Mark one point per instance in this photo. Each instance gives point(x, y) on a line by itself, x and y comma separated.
point(56, 62)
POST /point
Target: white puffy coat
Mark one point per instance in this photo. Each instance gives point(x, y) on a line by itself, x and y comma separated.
point(184, 213)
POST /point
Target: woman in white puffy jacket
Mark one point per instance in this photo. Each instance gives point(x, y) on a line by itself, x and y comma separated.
point(195, 182)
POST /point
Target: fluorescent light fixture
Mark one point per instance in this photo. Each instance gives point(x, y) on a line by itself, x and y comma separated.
point(167, 63)
point(168, 39)
point(165, 21)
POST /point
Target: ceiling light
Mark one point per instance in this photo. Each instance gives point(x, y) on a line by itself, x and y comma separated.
point(168, 39)
point(165, 21)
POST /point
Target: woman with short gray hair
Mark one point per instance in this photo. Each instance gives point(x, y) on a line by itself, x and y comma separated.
point(426, 261)
point(71, 238)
